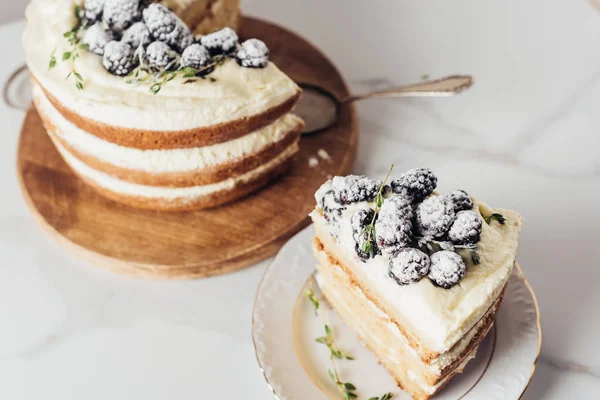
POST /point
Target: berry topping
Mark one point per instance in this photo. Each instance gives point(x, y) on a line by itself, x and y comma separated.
point(394, 226)
point(166, 27)
point(137, 35)
point(253, 54)
point(415, 184)
point(93, 9)
point(466, 229)
point(119, 14)
point(462, 201)
point(366, 247)
point(159, 55)
point(118, 58)
point(447, 269)
point(435, 215)
point(195, 56)
point(96, 38)
point(354, 188)
point(408, 266)
point(220, 42)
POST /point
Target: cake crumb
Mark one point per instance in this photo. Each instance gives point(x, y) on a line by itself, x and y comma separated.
point(313, 162)
point(323, 154)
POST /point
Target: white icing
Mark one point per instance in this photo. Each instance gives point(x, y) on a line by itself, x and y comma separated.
point(156, 192)
point(441, 317)
point(237, 93)
point(175, 160)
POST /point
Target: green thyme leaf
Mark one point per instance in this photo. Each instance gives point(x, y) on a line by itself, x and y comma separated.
point(331, 375)
point(498, 217)
point(79, 85)
point(349, 386)
point(66, 55)
point(321, 339)
point(52, 62)
point(350, 395)
point(475, 257)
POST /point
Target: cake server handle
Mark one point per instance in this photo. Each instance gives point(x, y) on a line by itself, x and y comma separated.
point(448, 86)
point(8, 95)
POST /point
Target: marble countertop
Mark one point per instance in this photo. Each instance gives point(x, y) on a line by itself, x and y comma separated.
point(526, 136)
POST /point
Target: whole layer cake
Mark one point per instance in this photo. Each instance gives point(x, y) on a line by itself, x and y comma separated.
point(417, 275)
point(151, 115)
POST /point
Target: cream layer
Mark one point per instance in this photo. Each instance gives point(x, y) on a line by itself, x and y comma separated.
point(439, 317)
point(157, 161)
point(155, 192)
point(237, 92)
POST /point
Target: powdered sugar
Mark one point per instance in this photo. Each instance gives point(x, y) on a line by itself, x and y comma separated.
point(137, 35)
point(253, 54)
point(447, 269)
point(96, 38)
point(119, 14)
point(435, 215)
point(394, 226)
point(195, 56)
point(354, 188)
point(408, 266)
point(221, 41)
point(466, 229)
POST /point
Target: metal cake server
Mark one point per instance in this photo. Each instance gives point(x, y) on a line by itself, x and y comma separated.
point(319, 107)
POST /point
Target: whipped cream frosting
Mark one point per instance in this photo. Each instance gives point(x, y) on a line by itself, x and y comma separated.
point(440, 316)
point(156, 192)
point(237, 93)
point(157, 161)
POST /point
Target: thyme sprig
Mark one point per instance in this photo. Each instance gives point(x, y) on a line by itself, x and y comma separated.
point(498, 217)
point(347, 389)
point(429, 245)
point(71, 54)
point(159, 77)
point(369, 230)
point(386, 396)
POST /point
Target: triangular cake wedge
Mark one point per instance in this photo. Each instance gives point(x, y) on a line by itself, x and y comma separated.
point(424, 334)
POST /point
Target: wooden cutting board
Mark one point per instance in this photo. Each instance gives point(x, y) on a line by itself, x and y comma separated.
point(199, 243)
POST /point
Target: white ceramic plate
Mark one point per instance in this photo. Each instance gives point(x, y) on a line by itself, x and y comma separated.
point(295, 366)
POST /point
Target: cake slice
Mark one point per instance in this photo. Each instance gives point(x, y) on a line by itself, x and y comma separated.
point(417, 275)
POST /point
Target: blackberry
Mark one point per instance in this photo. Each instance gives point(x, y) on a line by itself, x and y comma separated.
point(447, 269)
point(223, 41)
point(92, 10)
point(96, 38)
point(415, 184)
point(466, 229)
point(359, 221)
point(253, 54)
point(462, 201)
point(195, 56)
point(166, 27)
point(120, 14)
point(137, 35)
point(354, 188)
point(118, 58)
point(159, 55)
point(408, 266)
point(394, 224)
point(435, 215)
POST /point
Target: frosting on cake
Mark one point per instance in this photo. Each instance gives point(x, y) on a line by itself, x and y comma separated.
point(175, 160)
point(156, 192)
point(441, 316)
point(237, 93)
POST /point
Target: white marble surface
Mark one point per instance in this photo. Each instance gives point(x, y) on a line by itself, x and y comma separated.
point(527, 136)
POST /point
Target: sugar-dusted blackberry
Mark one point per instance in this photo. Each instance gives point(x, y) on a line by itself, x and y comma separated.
point(466, 229)
point(408, 266)
point(435, 215)
point(254, 53)
point(354, 188)
point(159, 55)
point(195, 56)
point(120, 14)
point(137, 35)
point(366, 246)
point(96, 38)
point(415, 184)
point(394, 224)
point(223, 41)
point(461, 199)
point(118, 58)
point(447, 269)
point(92, 10)
point(166, 26)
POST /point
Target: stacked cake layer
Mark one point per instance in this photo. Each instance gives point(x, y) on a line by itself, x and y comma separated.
point(423, 333)
point(196, 142)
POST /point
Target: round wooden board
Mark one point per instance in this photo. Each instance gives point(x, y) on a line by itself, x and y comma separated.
point(198, 243)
